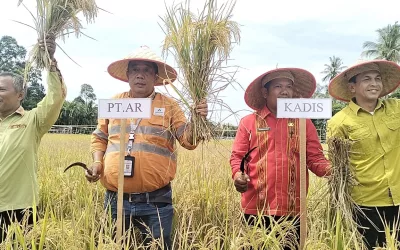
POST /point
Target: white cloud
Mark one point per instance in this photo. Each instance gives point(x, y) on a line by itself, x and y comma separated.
point(286, 11)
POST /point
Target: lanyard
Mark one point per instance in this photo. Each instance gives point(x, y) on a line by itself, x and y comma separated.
point(132, 136)
point(134, 128)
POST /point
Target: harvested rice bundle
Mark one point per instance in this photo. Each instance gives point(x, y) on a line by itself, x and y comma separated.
point(341, 182)
point(200, 45)
point(57, 19)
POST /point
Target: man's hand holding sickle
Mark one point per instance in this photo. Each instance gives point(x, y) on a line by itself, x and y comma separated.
point(241, 178)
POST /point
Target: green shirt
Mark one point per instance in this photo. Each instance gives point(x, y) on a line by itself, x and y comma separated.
point(375, 153)
point(20, 135)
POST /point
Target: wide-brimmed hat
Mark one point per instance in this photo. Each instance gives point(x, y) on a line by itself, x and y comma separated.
point(390, 73)
point(119, 68)
point(304, 85)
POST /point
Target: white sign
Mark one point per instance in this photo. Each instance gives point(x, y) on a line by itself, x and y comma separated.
point(125, 108)
point(304, 108)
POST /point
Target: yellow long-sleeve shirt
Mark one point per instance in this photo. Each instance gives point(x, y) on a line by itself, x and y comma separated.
point(20, 135)
point(375, 153)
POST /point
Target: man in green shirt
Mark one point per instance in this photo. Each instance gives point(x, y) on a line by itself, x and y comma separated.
point(373, 126)
point(20, 135)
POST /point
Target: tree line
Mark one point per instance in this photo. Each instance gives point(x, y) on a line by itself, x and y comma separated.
point(81, 111)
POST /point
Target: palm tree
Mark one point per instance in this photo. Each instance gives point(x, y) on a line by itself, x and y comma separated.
point(332, 69)
point(388, 45)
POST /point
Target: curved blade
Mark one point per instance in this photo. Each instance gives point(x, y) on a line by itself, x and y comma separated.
point(80, 164)
point(245, 159)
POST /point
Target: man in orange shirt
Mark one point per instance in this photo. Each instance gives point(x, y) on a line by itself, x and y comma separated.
point(271, 183)
point(151, 147)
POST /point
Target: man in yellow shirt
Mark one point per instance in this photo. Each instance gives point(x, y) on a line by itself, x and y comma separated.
point(20, 135)
point(150, 146)
point(373, 126)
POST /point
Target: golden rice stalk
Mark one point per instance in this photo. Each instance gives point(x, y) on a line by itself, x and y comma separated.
point(200, 45)
point(58, 19)
point(341, 182)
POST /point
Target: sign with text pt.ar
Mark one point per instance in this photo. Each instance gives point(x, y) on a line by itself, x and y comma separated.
point(304, 108)
point(125, 108)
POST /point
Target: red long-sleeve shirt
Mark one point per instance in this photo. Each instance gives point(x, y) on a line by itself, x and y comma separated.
point(274, 167)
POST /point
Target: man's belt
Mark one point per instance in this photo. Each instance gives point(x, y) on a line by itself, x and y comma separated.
point(154, 196)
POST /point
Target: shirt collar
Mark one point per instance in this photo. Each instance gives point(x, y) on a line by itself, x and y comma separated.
point(355, 108)
point(264, 112)
point(152, 95)
point(20, 111)
point(379, 104)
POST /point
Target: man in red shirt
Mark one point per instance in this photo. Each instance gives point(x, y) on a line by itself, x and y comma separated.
point(270, 184)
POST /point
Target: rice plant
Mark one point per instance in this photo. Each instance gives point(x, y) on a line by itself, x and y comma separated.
point(206, 204)
point(57, 19)
point(341, 206)
point(201, 44)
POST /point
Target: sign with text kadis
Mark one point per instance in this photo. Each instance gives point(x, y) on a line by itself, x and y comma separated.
point(125, 108)
point(304, 108)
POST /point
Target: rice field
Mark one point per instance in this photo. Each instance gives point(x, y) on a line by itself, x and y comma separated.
point(207, 207)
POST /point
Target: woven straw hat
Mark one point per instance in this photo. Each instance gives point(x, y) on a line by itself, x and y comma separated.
point(304, 85)
point(390, 73)
point(119, 68)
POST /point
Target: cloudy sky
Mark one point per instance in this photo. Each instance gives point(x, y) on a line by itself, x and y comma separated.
point(286, 33)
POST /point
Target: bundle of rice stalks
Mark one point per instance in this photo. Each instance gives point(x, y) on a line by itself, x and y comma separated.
point(200, 45)
point(341, 205)
point(57, 19)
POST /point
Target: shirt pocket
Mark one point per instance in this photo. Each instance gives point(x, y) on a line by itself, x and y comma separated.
point(392, 121)
point(360, 135)
point(159, 131)
point(159, 121)
point(392, 124)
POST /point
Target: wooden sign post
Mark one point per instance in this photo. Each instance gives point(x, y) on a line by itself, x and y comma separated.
point(120, 198)
point(303, 183)
point(303, 109)
point(123, 109)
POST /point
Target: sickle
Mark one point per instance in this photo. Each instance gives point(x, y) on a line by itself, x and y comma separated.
point(245, 159)
point(80, 164)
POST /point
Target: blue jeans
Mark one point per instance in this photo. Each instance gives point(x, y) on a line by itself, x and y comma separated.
point(154, 215)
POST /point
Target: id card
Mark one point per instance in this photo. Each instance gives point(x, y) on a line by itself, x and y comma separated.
point(129, 166)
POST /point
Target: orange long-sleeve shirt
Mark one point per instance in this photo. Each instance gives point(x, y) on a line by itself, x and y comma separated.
point(154, 147)
point(274, 167)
